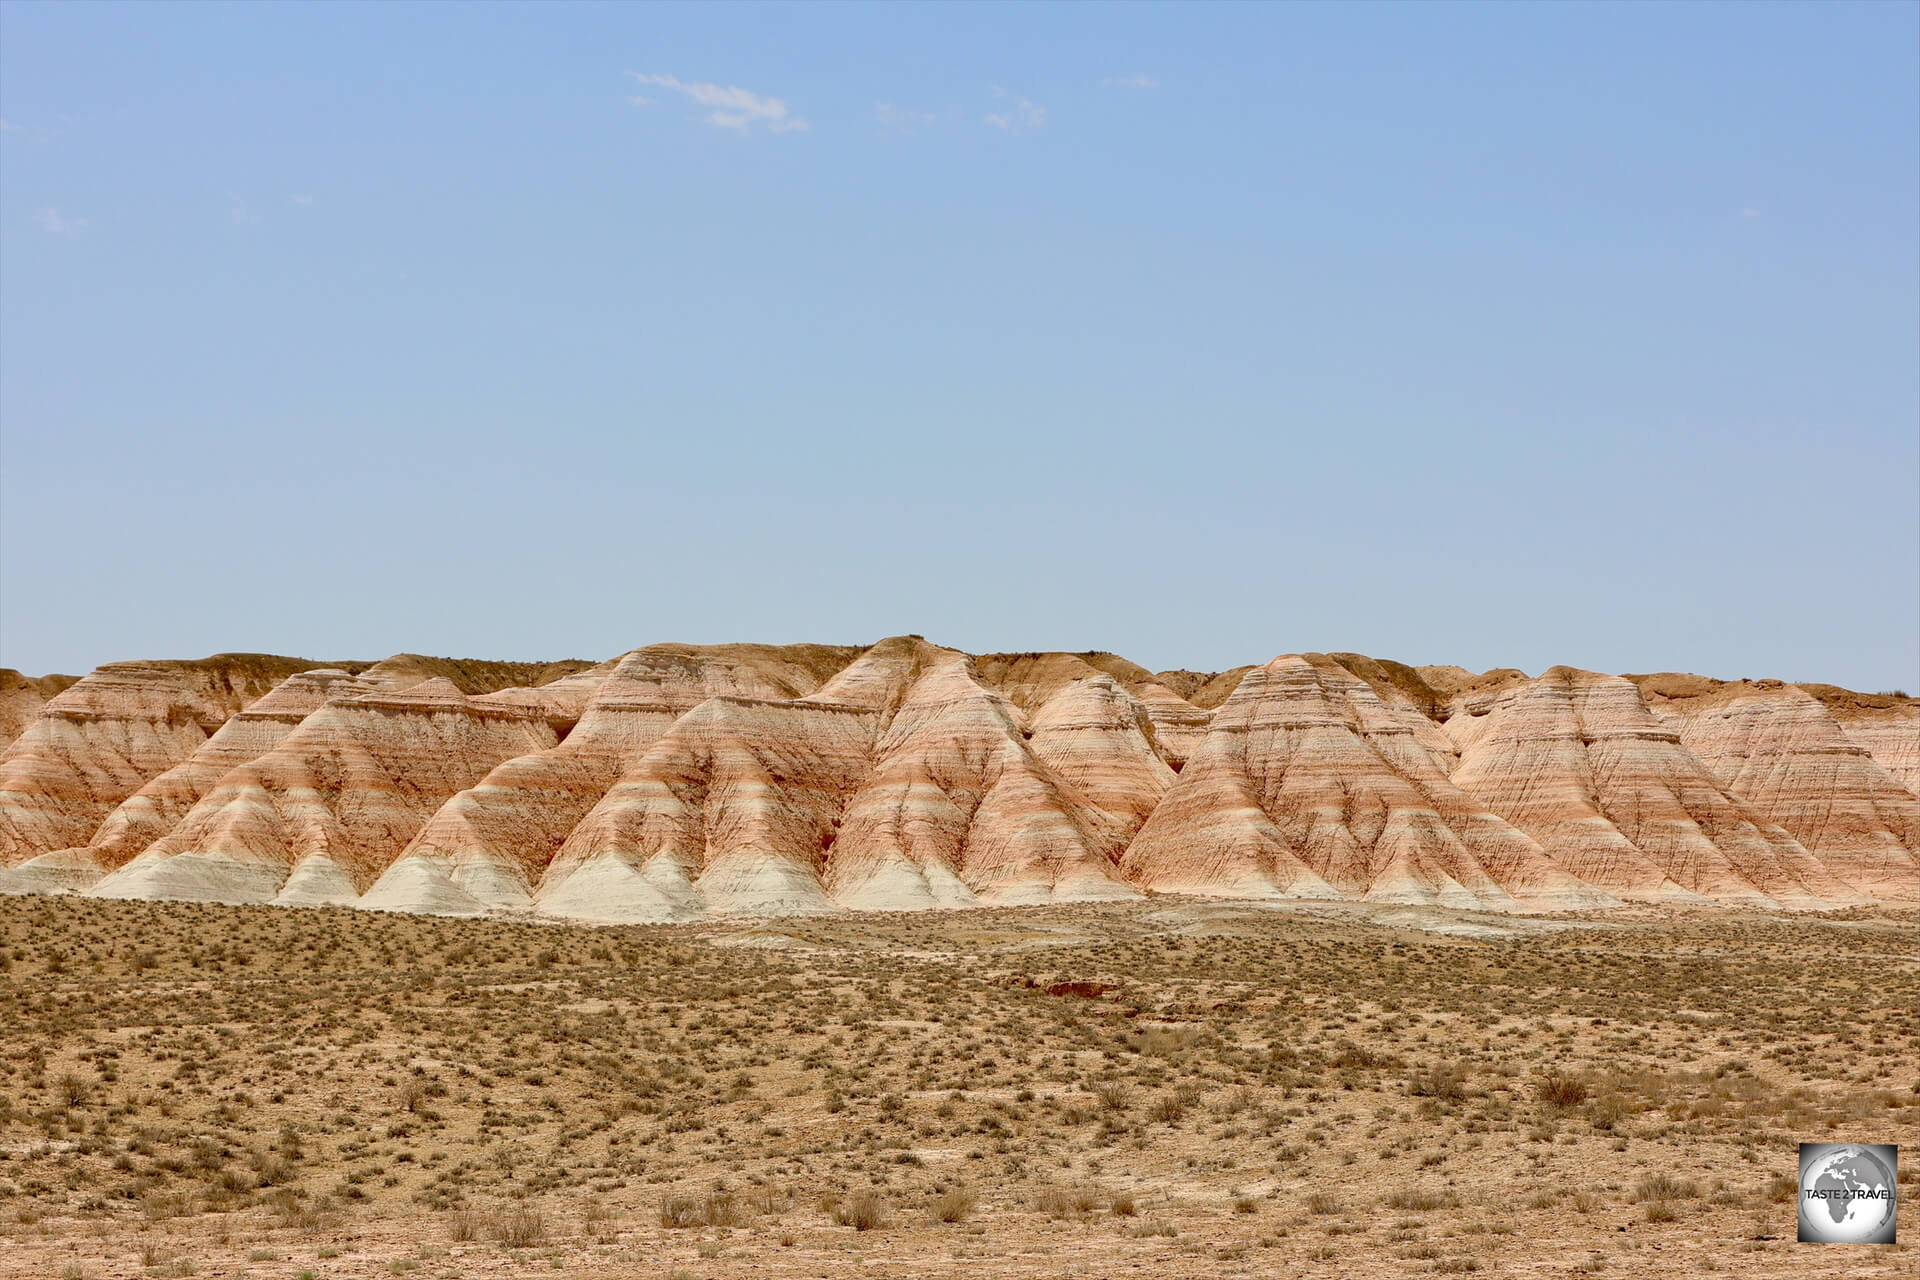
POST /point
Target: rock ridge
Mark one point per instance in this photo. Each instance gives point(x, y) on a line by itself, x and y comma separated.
point(677, 781)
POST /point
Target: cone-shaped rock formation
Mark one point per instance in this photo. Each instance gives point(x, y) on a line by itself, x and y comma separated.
point(680, 781)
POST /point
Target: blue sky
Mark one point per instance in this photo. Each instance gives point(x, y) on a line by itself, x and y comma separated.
point(1499, 336)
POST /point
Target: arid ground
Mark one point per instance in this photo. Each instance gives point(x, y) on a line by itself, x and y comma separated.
point(1174, 1087)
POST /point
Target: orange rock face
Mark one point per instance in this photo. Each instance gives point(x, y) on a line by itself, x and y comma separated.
point(680, 781)
point(1310, 785)
point(1582, 764)
point(1778, 749)
point(98, 741)
point(21, 698)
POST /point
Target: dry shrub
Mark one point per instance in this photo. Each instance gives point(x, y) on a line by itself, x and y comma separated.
point(521, 1229)
point(1355, 1056)
point(1446, 1081)
point(72, 1091)
point(1420, 1201)
point(1609, 1109)
point(1172, 1041)
point(1052, 1201)
point(1558, 1088)
point(953, 1204)
point(1113, 1095)
point(463, 1225)
point(1168, 1108)
point(678, 1212)
point(158, 1207)
point(721, 1210)
point(1664, 1186)
point(866, 1211)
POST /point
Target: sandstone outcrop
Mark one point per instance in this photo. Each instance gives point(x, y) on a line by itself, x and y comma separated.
point(1579, 762)
point(681, 781)
point(108, 734)
point(1886, 724)
point(335, 802)
point(1308, 785)
point(158, 806)
point(959, 809)
point(493, 842)
point(1776, 747)
point(21, 698)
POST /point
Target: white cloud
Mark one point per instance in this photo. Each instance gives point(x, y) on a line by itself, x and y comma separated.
point(1749, 212)
point(903, 119)
point(301, 200)
point(1019, 115)
point(728, 106)
point(1132, 82)
point(58, 223)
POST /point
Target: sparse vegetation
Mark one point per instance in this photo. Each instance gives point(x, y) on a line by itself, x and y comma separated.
point(206, 1090)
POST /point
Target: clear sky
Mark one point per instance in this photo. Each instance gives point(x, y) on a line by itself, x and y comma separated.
point(1501, 336)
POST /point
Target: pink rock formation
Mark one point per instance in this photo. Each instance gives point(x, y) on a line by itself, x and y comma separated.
point(1579, 762)
point(158, 806)
point(959, 809)
point(1028, 680)
point(1309, 786)
point(1776, 748)
point(494, 841)
point(21, 698)
point(101, 739)
point(732, 809)
point(1886, 724)
point(1098, 743)
point(334, 803)
point(678, 781)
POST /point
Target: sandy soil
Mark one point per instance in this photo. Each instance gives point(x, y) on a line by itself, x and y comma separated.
point(1169, 1087)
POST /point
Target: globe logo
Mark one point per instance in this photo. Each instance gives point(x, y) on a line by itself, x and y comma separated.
point(1847, 1193)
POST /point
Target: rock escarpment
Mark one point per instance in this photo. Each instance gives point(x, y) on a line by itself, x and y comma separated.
point(97, 741)
point(1582, 764)
point(21, 698)
point(1778, 749)
point(679, 781)
point(1310, 785)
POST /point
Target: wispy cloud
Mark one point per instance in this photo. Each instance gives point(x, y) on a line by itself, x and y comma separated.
point(901, 119)
point(1132, 82)
point(239, 210)
point(1749, 212)
point(52, 220)
point(300, 200)
point(728, 106)
point(1018, 114)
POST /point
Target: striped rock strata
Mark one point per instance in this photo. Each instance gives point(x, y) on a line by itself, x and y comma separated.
point(1580, 763)
point(1310, 785)
point(679, 781)
point(22, 697)
point(1777, 748)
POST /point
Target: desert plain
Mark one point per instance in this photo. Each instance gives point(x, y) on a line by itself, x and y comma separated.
point(817, 961)
point(1173, 1087)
